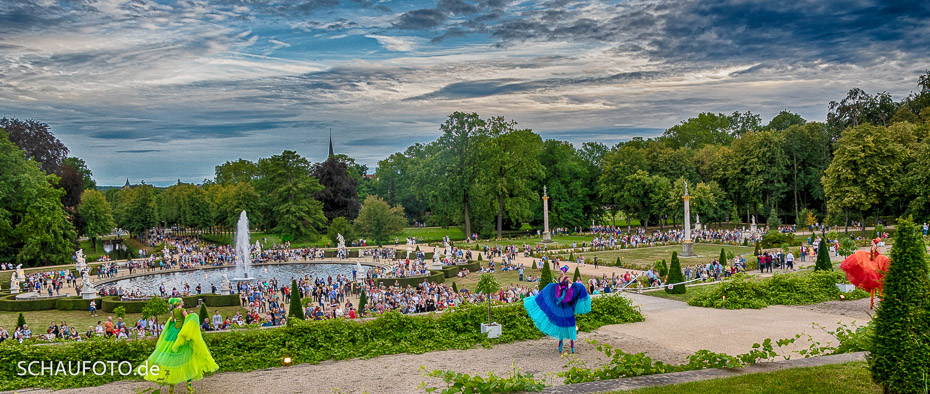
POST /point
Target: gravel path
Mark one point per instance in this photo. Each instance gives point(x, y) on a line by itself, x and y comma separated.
point(672, 331)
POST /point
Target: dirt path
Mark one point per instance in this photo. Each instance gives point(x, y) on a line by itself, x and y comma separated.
point(672, 331)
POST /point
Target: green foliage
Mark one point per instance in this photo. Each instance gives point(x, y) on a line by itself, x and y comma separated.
point(900, 357)
point(20, 320)
point(34, 229)
point(675, 276)
point(154, 307)
point(203, 314)
point(577, 275)
point(363, 300)
point(847, 246)
point(661, 267)
point(136, 209)
point(96, 213)
point(775, 238)
point(379, 221)
point(296, 310)
point(723, 257)
point(488, 285)
point(823, 262)
point(339, 226)
point(314, 341)
point(545, 276)
point(621, 364)
point(758, 250)
point(288, 191)
point(340, 189)
point(457, 382)
point(120, 311)
point(571, 256)
point(479, 256)
point(781, 289)
point(455, 287)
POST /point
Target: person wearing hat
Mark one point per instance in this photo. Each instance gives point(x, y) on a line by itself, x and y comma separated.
point(553, 310)
point(181, 353)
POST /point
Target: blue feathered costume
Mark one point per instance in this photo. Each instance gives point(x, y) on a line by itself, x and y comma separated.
point(553, 310)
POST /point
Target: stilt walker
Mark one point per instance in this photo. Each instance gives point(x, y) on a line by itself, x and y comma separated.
point(181, 353)
point(553, 310)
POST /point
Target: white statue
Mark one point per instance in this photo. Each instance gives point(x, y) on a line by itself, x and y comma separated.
point(341, 241)
point(15, 280)
point(436, 256)
point(225, 286)
point(80, 260)
point(85, 281)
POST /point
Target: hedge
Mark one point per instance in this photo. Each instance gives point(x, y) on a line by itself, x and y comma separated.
point(435, 276)
point(75, 304)
point(212, 300)
point(10, 303)
point(310, 342)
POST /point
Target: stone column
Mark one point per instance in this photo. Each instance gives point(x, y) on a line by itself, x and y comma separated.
point(687, 248)
point(546, 236)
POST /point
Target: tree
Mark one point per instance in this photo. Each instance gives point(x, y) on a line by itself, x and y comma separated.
point(230, 200)
point(675, 275)
point(86, 175)
point(296, 311)
point(864, 170)
point(339, 226)
point(487, 285)
point(900, 354)
point(723, 257)
point(339, 195)
point(33, 227)
point(204, 315)
point(363, 300)
point(20, 320)
point(97, 215)
point(137, 209)
point(915, 181)
point(571, 183)
point(618, 164)
point(545, 276)
point(784, 120)
point(511, 163)
point(154, 307)
point(706, 128)
point(753, 175)
point(288, 189)
point(823, 257)
point(35, 139)
point(238, 171)
point(455, 288)
point(379, 221)
point(577, 275)
point(72, 182)
point(808, 152)
point(859, 108)
point(186, 205)
point(455, 164)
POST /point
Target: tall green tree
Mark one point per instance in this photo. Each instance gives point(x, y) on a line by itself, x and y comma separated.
point(137, 209)
point(339, 195)
point(784, 120)
point(545, 275)
point(571, 184)
point(808, 151)
point(288, 188)
point(456, 165)
point(338, 226)
point(867, 163)
point(37, 141)
point(295, 311)
point(379, 221)
point(823, 262)
point(900, 354)
point(86, 174)
point(859, 108)
point(675, 276)
point(33, 228)
point(97, 214)
point(618, 164)
point(757, 171)
point(237, 171)
point(511, 164)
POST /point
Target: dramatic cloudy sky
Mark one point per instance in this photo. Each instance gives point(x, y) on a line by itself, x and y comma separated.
point(160, 90)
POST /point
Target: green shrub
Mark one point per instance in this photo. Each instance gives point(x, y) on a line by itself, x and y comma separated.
point(313, 341)
point(296, 311)
point(577, 275)
point(545, 277)
point(120, 311)
point(723, 257)
point(203, 314)
point(675, 276)
point(900, 356)
point(737, 293)
point(154, 307)
point(457, 382)
point(823, 257)
point(21, 320)
point(455, 287)
point(781, 289)
point(775, 238)
point(73, 304)
point(10, 303)
point(660, 268)
point(363, 300)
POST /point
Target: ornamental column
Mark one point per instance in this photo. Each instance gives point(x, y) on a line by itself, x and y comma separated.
point(546, 236)
point(687, 248)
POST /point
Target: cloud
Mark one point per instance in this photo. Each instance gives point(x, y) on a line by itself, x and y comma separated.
point(138, 151)
point(421, 19)
point(396, 44)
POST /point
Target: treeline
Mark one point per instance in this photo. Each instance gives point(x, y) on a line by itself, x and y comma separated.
point(869, 159)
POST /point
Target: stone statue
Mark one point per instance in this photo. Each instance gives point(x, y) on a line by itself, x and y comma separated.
point(85, 281)
point(753, 228)
point(15, 280)
point(436, 256)
point(410, 246)
point(80, 260)
point(225, 286)
point(341, 241)
point(87, 288)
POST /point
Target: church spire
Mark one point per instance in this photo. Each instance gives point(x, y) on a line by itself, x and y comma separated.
point(331, 153)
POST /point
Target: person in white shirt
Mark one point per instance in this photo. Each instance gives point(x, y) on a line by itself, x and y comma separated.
point(789, 260)
point(217, 320)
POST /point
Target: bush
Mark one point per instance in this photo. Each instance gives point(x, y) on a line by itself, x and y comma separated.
point(203, 314)
point(660, 268)
point(577, 275)
point(823, 257)
point(455, 287)
point(363, 300)
point(21, 320)
point(545, 277)
point(313, 341)
point(120, 311)
point(10, 303)
point(675, 276)
point(900, 354)
point(775, 238)
point(457, 382)
point(435, 276)
point(780, 289)
point(73, 304)
point(296, 311)
point(723, 257)
point(154, 307)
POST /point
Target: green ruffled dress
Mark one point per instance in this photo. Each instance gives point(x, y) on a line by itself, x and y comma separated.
point(181, 353)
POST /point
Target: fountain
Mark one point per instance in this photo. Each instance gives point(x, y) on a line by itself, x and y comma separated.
point(243, 250)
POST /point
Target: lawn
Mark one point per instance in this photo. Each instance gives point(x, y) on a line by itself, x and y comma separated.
point(848, 378)
point(505, 278)
point(645, 257)
point(432, 234)
point(691, 292)
point(558, 242)
point(39, 321)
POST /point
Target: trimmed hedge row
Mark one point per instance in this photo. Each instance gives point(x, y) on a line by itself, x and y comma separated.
point(435, 276)
point(453, 270)
point(217, 300)
point(309, 342)
point(11, 304)
point(75, 304)
point(106, 304)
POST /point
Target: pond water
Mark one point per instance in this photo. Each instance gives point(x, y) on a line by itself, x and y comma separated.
point(148, 284)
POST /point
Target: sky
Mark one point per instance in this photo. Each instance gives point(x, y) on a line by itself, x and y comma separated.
point(164, 90)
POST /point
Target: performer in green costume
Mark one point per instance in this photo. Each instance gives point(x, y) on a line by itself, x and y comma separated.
point(181, 354)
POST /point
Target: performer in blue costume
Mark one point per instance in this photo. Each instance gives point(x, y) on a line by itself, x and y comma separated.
point(553, 310)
